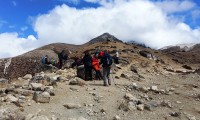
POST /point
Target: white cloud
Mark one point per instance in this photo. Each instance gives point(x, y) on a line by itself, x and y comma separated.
point(174, 6)
point(142, 21)
point(12, 45)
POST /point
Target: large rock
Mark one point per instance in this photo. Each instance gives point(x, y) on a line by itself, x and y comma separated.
point(72, 106)
point(130, 97)
point(36, 86)
point(147, 54)
point(133, 69)
point(126, 106)
point(27, 76)
point(116, 117)
point(11, 98)
point(81, 72)
point(77, 81)
point(41, 97)
point(140, 107)
point(3, 83)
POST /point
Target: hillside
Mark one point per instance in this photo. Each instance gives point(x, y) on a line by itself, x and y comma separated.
point(184, 55)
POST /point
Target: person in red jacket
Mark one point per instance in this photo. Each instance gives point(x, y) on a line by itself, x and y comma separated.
point(96, 66)
point(101, 53)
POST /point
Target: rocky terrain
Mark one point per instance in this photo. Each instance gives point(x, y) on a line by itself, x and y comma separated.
point(146, 85)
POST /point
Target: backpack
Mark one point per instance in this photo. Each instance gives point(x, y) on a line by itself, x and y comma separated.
point(107, 61)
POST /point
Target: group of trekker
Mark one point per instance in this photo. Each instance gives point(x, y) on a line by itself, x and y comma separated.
point(99, 58)
point(91, 63)
point(62, 56)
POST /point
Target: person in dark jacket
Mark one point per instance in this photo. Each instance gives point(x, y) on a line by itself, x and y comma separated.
point(62, 56)
point(106, 62)
point(87, 61)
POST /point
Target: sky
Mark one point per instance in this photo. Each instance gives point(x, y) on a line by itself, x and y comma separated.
point(29, 24)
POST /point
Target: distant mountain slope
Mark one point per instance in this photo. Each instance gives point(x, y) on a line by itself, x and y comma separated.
point(184, 54)
point(104, 38)
point(30, 62)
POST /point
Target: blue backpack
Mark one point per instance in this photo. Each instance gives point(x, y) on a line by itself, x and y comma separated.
point(107, 60)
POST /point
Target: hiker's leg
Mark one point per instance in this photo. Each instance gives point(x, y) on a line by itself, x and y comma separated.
point(90, 73)
point(86, 73)
point(108, 75)
point(96, 75)
point(117, 60)
point(60, 63)
point(104, 76)
point(99, 75)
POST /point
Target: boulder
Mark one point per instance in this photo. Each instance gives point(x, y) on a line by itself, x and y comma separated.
point(37, 79)
point(81, 72)
point(116, 117)
point(130, 97)
point(133, 69)
point(126, 106)
point(72, 106)
point(144, 89)
point(3, 83)
point(151, 105)
point(41, 97)
point(166, 103)
point(36, 86)
point(154, 88)
point(147, 54)
point(27, 76)
point(25, 92)
point(50, 90)
point(77, 81)
point(140, 107)
point(11, 98)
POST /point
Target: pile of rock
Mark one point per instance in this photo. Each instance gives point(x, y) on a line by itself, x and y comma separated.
point(153, 88)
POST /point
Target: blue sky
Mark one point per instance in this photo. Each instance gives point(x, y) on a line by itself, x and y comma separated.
point(29, 24)
point(18, 15)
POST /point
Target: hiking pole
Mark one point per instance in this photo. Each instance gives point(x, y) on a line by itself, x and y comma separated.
point(113, 77)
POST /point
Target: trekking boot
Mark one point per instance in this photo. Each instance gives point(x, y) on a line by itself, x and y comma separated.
point(109, 82)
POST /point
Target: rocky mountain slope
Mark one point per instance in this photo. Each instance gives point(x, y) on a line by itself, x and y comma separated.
point(185, 55)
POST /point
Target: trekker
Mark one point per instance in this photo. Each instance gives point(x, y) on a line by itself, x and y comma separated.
point(77, 62)
point(117, 57)
point(101, 53)
point(96, 66)
point(62, 56)
point(106, 62)
point(87, 61)
point(45, 60)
